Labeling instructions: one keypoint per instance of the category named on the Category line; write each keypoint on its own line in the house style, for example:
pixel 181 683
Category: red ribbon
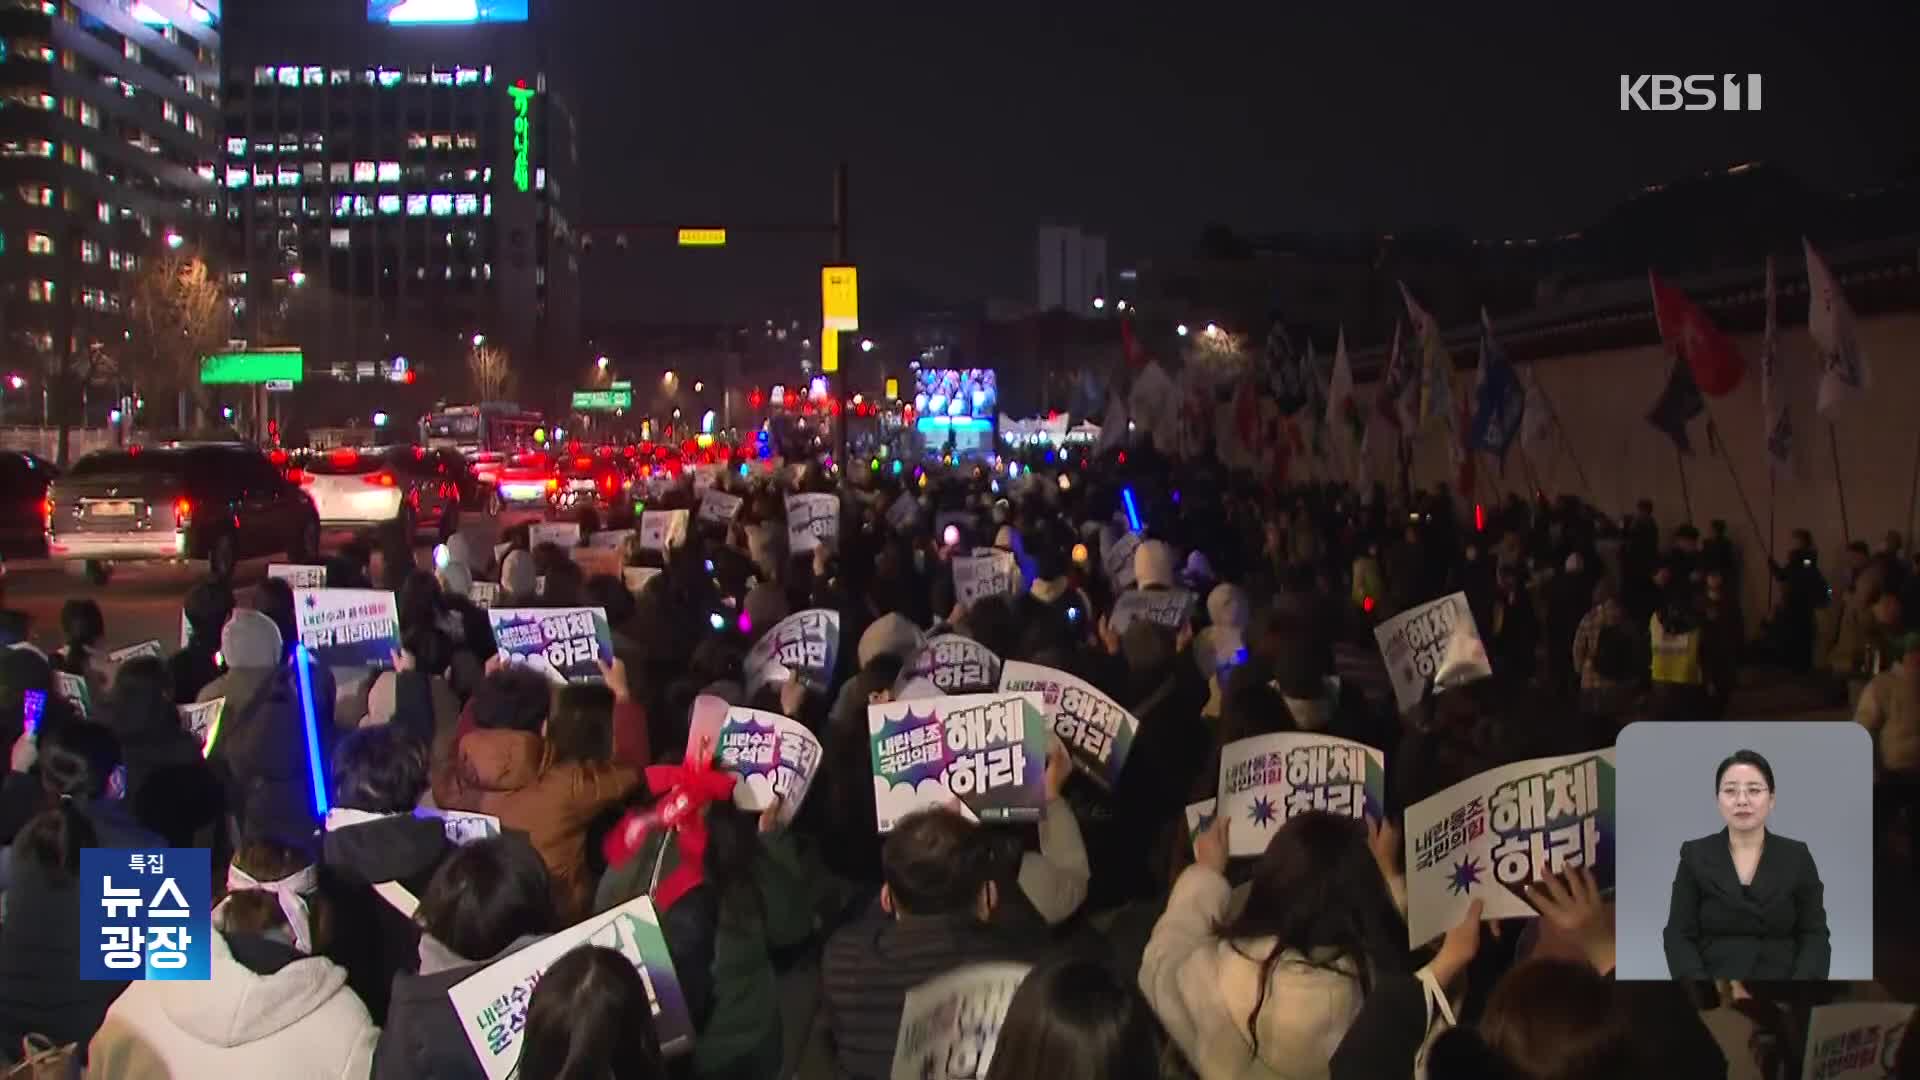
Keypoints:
pixel 689 787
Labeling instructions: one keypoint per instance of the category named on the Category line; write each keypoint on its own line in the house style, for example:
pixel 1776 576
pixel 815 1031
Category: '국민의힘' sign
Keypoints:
pixel 982 754
pixel 1266 779
pixel 565 644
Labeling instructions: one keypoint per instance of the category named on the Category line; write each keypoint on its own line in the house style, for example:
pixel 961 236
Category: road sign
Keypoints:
pixel 829 350
pixel 840 297
pixel 602 400
pixel 279 386
pixel 703 238
pixel 252 368
pixel 893 389
pixel 621 384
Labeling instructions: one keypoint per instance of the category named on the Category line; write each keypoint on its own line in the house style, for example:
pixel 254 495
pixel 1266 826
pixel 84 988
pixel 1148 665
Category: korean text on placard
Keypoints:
pixel 1546 822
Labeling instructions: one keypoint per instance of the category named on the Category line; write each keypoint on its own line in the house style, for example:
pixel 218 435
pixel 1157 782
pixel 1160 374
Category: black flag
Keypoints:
pixel 1679 403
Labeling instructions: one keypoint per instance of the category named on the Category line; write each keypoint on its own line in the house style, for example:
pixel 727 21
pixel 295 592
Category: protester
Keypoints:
pixel 1889 709
pixel 1606 652
pixel 83 626
pixel 590 1016
pixel 41 991
pixel 1071 1019
pixel 197 663
pixel 170 786
pixel 261 754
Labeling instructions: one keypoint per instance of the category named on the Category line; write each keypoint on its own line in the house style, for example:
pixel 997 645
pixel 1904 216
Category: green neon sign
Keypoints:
pixel 252 368
pixel 522 132
pixel 602 400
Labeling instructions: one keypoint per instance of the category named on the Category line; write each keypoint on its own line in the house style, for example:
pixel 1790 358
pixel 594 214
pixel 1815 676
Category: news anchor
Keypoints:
pixel 1747 903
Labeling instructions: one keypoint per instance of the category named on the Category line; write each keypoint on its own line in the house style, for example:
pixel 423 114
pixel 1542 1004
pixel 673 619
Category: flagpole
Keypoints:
pixel 1573 453
pixel 1913 493
pixel 1839 482
pixel 1718 445
pixel 1686 494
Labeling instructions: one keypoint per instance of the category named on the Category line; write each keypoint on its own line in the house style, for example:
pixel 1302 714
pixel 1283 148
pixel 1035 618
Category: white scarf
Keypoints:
pixel 291 891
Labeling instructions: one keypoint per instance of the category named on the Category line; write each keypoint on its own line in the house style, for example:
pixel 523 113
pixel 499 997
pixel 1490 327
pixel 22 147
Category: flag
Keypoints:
pixel 1836 340
pixel 1287 375
pixel 1536 427
pixel 1342 409
pixel 1715 362
pixel 1113 423
pixel 1436 367
pixel 1129 346
pixel 1679 403
pixel 1398 389
pixel 1776 407
pixel 1501 402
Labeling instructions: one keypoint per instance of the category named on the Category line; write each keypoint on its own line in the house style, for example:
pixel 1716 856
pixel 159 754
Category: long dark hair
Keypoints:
pixel 1073 1020
pixel 53 839
pixel 1317 891
pixel 1557 1018
pixel 590 1017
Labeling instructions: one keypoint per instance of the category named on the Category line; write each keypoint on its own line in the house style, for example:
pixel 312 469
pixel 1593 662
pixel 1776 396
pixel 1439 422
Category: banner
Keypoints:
pixel 719 508
pixel 1267 779
pixel 1098 733
pixel 1504 829
pixel 985 755
pixel 564 533
pixel 1856 1040
pixel 986 572
pixel 483 594
pixel 202 721
pixel 564 644
pixel 663 530
pixel 811 519
pixel 349 628
pixel 948 664
pixel 949 1025
pixel 1170 608
pixel 610 539
pixel 492 1002
pixel 775 757
pixel 299 575
pixel 1118 561
pixel 1433 645
pixel 803 645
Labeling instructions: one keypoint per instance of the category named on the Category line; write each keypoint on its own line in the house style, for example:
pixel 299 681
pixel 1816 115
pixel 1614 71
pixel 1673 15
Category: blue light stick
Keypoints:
pixel 300 664
pixel 1133 512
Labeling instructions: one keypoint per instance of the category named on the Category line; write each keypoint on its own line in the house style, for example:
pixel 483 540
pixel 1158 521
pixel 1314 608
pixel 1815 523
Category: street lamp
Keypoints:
pixel 174 240
pixel 1181 329
pixel 602 363
pixel 866 344
pixel 699 386
pixel 479 340
pixel 298 277
pixel 1213 330
pixel 1099 302
pixel 668 377
pixel 380 419
pixel 16 382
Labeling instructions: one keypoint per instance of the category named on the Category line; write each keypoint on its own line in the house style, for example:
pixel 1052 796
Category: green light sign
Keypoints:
pixel 602 400
pixel 522 132
pixel 252 368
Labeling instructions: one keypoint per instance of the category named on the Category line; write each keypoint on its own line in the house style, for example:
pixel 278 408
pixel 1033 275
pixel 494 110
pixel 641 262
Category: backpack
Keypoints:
pixel 1613 652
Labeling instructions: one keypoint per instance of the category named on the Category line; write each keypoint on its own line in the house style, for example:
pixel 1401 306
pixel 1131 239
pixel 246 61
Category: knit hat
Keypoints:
pixel 460 552
pixel 516 574
pixel 891 634
pixel 1153 564
pixel 766 604
pixel 456 579
pixel 1199 572
pixel 250 640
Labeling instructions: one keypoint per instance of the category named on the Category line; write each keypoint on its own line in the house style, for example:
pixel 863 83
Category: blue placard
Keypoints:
pixel 145 913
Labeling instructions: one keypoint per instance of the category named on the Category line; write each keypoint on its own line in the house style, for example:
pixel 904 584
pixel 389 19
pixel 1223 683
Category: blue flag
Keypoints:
pixel 1500 400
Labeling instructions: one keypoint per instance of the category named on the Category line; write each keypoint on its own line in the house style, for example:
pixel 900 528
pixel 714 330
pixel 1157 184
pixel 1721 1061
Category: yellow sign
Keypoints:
pixel 829 350
pixel 893 389
pixel 703 238
pixel 840 297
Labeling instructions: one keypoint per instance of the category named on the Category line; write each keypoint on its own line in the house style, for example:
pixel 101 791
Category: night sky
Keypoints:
pixel 968 125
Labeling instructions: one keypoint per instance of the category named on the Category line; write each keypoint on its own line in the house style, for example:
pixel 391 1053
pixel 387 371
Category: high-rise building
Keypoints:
pixel 108 116
pixel 1072 269
pixel 398 178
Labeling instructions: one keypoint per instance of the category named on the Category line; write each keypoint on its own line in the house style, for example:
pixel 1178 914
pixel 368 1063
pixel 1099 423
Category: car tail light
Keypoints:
pixel 379 479
pixel 608 482
pixel 46 514
pixel 344 458
pixel 583 463
pixel 299 476
pixel 182 513
pixel 553 484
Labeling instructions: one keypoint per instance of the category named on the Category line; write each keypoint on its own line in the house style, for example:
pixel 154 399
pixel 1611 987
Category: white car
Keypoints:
pixel 403 485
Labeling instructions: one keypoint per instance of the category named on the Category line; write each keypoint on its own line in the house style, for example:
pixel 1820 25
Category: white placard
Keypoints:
pixel 1267 779
pixel 986 572
pixel 151 648
pixel 1170 608
pixel 811 519
pixel 1435 645
pixel 635 578
pixel 949 1025
pixel 564 533
pixel 609 539
pixel 202 721
pixel 1117 560
pixel 299 575
pixel 719 508
pixel 1856 1040
pixel 484 594
pixel 663 530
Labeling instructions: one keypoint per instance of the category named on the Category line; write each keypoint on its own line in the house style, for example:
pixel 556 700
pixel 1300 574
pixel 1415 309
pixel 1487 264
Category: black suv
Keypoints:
pixel 221 502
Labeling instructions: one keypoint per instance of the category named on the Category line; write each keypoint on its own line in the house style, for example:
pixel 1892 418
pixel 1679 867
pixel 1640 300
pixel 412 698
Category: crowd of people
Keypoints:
pixel 1154 954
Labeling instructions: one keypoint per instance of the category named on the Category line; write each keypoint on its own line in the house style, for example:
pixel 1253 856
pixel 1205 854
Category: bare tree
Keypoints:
pixel 180 313
pixel 490 370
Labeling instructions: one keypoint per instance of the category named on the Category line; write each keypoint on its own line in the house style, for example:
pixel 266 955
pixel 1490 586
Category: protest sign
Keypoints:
pixel 564 533
pixel 902 513
pixel 610 539
pixel 704 477
pixel 483 594
pixel 1098 733
pixel 948 664
pixel 812 519
pixel 1504 829
pixel 492 1002
pixel 986 572
pixel 146 648
pixel 1433 646
pixel 803 645
pixel 186 630
pixel 949 1025
pixel 635 578
pixel 348 628
pixel 461 826
pixel 661 530
pixel 1267 779
pixel 202 721
pixel 985 754
pixel 776 758
pixel 1856 1040
pixel 719 508
pixel 595 562
pixel 1117 559
pixel 565 644
pixel 1200 816
pixel 1170 608
pixel 299 575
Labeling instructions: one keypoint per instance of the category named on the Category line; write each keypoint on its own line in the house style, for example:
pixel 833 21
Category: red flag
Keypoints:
pixel 1716 363
pixel 1129 347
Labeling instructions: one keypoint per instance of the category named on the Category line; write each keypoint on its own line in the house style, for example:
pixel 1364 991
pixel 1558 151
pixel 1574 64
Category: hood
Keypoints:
pixel 238 1006
pixel 891 634
pixel 1153 564
pixel 500 760
pixel 383 847
pixel 516 574
pixel 460 552
pixel 250 641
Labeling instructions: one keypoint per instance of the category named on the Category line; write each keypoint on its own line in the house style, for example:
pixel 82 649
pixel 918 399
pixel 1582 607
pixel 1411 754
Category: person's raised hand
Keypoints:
pixel 26 751
pixel 403 660
pixel 1459 945
pixel 1383 840
pixel 1059 768
pixel 615 675
pixel 495 663
pixel 1210 847
pixel 1570 906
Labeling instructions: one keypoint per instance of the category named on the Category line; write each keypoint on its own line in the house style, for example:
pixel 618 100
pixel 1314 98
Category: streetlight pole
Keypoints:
pixel 841 255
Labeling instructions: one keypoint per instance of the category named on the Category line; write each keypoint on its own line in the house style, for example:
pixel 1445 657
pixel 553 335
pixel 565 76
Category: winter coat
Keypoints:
pixel 277 1014
pixel 1890 709
pixel 169 784
pixel 374 940
pixel 260 756
pixel 423 1038
pixel 40 986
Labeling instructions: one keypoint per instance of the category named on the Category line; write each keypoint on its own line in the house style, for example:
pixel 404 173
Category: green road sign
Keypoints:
pixel 252 368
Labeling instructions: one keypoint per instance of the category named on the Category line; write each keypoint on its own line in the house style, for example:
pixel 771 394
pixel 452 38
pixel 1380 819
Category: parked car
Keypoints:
pixel 407 486
pixel 23 511
pixel 221 502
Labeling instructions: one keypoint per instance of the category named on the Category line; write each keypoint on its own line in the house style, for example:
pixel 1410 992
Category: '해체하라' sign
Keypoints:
pixel 1267 779
pixel 1097 732
pixel 949 1025
pixel 565 644
pixel 1434 646
pixel 811 520
pixel 803 645
pixel 985 755
pixel 1502 830
pixel 948 664
pixel 663 529
pixel 719 508
pixel 348 628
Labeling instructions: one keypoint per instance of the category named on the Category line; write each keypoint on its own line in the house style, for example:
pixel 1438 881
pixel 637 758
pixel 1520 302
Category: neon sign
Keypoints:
pixel 522 132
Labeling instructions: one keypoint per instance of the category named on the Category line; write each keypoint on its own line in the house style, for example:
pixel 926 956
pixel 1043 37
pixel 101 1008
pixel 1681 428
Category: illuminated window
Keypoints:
pixel 416 206
pixel 289 76
pixel 39 243
pixel 442 204
pixel 389 172
pixel 390 78
pixel 486 271
pixel 105 213
pixel 466 77
pixel 90 116
pixel 169 111
pixel 442 141
pixel 310 172
pixel 339 238
pixel 90 252
pixel 364 172
pixel 362 206
pixel 237 146
pixel 486 205
pixel 315 77
pixel 36 194
pixel 87 162
pixel 416 140
pixel 40 291
pixel 487 174
pixel 32 97
pixel 467 140
pixel 389 204
pixel 442 78
pixel 416 78
pixel 205 172
pixel 337 172
pixel 342 205
pixel 540 179
pixel 339 77
pixel 466 204
pixel 470 175
pixel 489 75
pixel 262 176
pixel 237 278
pixel 130 49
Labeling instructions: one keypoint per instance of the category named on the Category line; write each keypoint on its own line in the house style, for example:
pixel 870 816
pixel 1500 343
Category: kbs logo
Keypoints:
pixel 1692 93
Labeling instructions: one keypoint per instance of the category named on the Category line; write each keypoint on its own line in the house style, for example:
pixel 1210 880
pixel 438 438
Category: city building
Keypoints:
pixel 109 117
pixel 397 192
pixel 1071 268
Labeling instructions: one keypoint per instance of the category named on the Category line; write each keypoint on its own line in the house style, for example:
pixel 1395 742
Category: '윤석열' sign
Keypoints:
pixel 1502 830
pixel 812 519
pixel 565 644
pixel 1267 779
pixel 983 754
pixel 348 628
pixel 949 1025
pixel 1098 733
pixel 775 757
pixel 986 572
pixel 1170 608
pixel 146 913
pixel 948 664
pixel 1434 646
pixel 803 645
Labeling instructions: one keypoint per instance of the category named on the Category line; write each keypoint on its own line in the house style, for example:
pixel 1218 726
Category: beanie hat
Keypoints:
pixel 516 574
pixel 460 551
pixel 1227 606
pixel 1153 564
pixel 456 579
pixel 766 605
pixel 891 634
pixel 250 640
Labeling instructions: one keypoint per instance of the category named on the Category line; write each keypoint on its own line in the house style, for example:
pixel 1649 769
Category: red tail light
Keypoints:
pixel 553 484
pixel 1366 604
pixel 344 458
pixel 299 476
pixel 583 463
pixel 182 513
pixel 608 482
pixel 46 514
pixel 379 479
